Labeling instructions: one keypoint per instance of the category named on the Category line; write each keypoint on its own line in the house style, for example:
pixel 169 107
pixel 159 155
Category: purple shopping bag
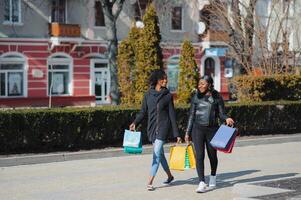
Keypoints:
pixel 223 138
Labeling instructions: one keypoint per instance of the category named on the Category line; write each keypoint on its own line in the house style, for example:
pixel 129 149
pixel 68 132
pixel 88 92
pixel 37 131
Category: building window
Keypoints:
pixel 140 7
pixel 209 67
pixel 99 15
pixel 59 76
pixel 12 72
pixel 176 18
pixel 12 11
pixel 58 11
pixel 173 73
pixel 288 7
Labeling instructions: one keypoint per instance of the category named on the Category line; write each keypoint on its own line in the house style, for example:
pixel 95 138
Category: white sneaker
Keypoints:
pixel 212 181
pixel 202 187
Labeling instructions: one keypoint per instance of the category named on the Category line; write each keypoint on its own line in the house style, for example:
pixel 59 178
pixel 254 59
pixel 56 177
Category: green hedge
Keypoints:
pixel 23 131
pixel 268 88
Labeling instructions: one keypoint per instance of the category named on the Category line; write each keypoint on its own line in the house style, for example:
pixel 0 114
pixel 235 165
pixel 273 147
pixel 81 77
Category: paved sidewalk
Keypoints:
pixel 258 168
pixel 13 160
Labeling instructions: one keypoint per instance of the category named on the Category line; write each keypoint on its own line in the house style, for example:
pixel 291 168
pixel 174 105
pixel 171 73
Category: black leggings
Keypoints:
pixel 200 136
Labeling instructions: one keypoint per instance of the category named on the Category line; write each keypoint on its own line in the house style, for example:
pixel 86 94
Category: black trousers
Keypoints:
pixel 201 137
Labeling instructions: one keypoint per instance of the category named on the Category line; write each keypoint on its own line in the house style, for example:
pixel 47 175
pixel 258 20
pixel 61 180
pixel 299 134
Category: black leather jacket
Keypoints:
pixel 205 110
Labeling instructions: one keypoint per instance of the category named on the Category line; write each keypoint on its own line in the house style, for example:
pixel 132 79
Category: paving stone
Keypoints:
pixel 293 184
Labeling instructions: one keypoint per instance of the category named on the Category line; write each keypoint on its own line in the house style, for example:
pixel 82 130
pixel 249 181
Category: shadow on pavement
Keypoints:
pixel 223 176
pixel 224 179
pixel 224 183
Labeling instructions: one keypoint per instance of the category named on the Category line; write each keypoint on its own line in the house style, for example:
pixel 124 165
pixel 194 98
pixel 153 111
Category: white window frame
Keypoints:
pixel 10 21
pixel 217 71
pixel 15 58
pixel 98 27
pixel 66 14
pixel 67 60
pixel 93 61
pixel 182 20
pixel 291 4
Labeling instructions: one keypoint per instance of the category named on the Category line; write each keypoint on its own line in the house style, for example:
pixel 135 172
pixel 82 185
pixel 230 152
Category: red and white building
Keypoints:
pixel 54 52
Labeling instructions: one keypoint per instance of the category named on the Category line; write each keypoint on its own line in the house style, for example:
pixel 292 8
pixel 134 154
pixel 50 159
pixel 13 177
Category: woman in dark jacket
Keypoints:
pixel 207 106
pixel 158 106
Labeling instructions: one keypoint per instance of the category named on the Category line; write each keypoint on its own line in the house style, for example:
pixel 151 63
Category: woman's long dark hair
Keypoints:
pixel 211 89
pixel 209 80
pixel 155 76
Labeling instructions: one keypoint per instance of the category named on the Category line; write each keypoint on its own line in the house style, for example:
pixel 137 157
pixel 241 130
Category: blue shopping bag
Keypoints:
pixel 223 138
pixel 132 142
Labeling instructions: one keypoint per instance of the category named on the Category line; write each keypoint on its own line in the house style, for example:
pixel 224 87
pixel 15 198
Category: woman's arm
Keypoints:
pixel 222 112
pixel 191 117
pixel 140 115
pixel 172 117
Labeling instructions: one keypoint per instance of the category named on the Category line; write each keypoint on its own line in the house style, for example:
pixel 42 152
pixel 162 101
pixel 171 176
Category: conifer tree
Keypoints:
pixel 127 66
pixel 148 52
pixel 188 74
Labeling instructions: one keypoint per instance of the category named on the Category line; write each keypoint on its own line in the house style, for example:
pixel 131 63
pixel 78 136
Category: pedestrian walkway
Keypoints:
pixel 254 170
pixel 13 160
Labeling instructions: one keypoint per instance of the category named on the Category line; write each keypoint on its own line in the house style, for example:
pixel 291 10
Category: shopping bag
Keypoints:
pixel 131 138
pixel 189 158
pixel 229 149
pixel 223 138
pixel 181 157
pixel 133 150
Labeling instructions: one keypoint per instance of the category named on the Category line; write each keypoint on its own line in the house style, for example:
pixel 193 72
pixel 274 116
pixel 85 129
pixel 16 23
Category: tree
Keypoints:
pixel 125 63
pixel 188 73
pixel 259 38
pixel 148 52
pixel 139 55
pixel 111 10
pixel 127 66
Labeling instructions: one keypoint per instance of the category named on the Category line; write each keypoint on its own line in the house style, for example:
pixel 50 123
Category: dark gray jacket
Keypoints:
pixel 205 110
pixel 159 108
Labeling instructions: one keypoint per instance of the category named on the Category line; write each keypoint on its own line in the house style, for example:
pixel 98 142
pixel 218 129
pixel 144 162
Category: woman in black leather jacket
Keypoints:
pixel 206 111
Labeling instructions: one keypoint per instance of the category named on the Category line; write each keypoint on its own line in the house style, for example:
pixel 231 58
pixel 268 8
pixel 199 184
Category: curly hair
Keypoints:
pixel 156 75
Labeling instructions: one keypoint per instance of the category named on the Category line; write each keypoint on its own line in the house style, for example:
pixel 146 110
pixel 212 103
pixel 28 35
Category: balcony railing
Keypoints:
pixel 64 30
pixel 214 36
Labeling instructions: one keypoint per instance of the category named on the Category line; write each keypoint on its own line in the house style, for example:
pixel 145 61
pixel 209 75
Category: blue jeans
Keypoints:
pixel 158 157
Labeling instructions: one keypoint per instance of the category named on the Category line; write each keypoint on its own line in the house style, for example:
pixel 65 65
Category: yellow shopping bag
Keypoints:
pixel 181 157
pixel 191 157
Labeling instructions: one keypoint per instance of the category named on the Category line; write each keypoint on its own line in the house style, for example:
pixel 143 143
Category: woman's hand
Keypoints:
pixel 187 138
pixel 229 121
pixel 179 140
pixel 132 127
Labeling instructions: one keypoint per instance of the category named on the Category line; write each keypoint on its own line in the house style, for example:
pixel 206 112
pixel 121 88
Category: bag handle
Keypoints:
pixel 182 144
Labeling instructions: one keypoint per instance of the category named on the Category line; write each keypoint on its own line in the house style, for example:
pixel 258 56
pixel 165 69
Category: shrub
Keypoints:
pixel 23 131
pixel 268 88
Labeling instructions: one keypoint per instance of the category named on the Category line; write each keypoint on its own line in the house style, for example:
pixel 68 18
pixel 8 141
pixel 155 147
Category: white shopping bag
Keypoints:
pixel 131 138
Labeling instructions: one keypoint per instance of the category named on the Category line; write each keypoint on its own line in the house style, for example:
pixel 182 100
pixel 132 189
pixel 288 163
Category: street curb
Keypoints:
pixel 117 152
